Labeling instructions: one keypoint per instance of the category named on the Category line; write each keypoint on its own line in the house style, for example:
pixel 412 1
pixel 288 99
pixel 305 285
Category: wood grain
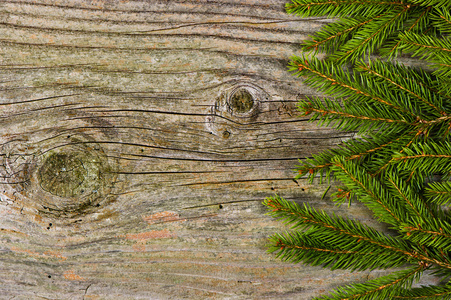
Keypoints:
pixel 145 86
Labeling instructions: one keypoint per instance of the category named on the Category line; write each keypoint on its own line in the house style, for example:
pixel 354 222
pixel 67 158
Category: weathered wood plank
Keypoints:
pixel 128 170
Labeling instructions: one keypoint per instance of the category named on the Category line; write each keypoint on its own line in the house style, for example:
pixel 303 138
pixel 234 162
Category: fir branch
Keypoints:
pixel 418 210
pixel 332 8
pixel 370 191
pixel 334 35
pixel 334 81
pixel 426 293
pixel 384 287
pixel 371 36
pixel 435 3
pixel 345 234
pixel 305 247
pixel 398 77
pixel 358 149
pixel 360 118
pixel 436 235
pixel 425 158
pixel 439 192
pixel 434 49
pixel 350 233
pixel 419 23
pixel 442 20
pixel 424 46
pixel 410 110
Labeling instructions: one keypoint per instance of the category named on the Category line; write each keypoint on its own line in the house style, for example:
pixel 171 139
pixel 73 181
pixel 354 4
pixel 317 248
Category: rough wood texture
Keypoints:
pixel 138 139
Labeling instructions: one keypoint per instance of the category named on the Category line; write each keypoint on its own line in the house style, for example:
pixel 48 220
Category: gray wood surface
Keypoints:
pixel 138 139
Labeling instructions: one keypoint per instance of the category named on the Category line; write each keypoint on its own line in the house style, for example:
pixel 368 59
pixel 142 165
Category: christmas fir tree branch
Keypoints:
pixel 336 82
pixel 371 36
pixel 419 18
pixel 349 231
pixel 398 77
pixel 346 234
pixel 296 246
pixel 405 193
pixel 384 287
pixel 441 19
pixel 438 237
pixel 425 158
pixel 410 111
pixel 332 8
pixel 426 293
pixel 439 192
pixel 435 3
pixel 371 192
pixel 332 36
pixel 371 145
pixel 434 49
pixel 360 118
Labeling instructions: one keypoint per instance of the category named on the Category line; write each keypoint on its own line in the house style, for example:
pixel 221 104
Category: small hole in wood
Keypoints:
pixel 226 134
pixel 220 206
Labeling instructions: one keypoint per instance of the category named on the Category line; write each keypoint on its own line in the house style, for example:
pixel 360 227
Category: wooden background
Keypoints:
pixel 145 90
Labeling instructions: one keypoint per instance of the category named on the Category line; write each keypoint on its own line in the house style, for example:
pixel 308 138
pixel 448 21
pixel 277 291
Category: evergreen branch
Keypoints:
pixel 401 147
pixel 419 23
pixel 361 118
pixel 410 197
pixel 436 50
pixel 335 82
pixel 435 237
pixel 333 35
pixel 442 20
pixel 394 76
pixel 371 36
pixel 335 229
pixel 370 192
pixel 332 8
pixel 424 46
pixel 426 158
pixel 439 192
pixel 427 293
pixel 383 287
pixel 411 110
pixel 435 3
pixel 357 149
pixel 305 247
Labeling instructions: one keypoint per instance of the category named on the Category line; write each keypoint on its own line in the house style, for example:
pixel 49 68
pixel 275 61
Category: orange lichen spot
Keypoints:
pixel 25 251
pixel 154 234
pixel 70 275
pixel 12 231
pixel 56 254
pixel 46 254
pixel 140 246
pixel 162 217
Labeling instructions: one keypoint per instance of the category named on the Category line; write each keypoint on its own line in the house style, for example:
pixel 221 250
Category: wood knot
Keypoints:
pixel 74 177
pixel 61 177
pixel 241 101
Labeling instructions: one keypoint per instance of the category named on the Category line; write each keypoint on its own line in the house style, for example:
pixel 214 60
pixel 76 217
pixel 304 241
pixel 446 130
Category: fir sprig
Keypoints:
pixel 402 117
pixel 366 27
pixel 379 97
